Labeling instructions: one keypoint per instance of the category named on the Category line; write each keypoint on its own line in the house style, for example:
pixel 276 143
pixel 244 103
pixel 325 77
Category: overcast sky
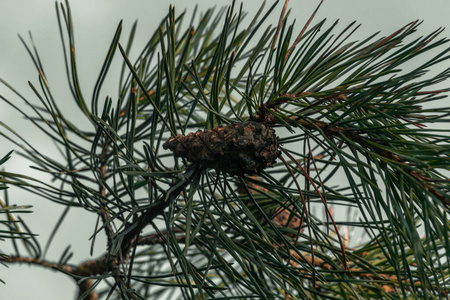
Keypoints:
pixel 95 23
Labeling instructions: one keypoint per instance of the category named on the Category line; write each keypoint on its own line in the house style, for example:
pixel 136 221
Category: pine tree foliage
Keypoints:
pixel 222 217
pixel 10 220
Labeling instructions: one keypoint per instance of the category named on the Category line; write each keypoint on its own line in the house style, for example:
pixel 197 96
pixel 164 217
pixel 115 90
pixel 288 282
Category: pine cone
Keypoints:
pixel 236 149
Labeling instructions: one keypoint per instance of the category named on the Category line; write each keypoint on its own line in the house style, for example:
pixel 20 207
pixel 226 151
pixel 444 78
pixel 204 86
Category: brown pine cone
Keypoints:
pixel 236 149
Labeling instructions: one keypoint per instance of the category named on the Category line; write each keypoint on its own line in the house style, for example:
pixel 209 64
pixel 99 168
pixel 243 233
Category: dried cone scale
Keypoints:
pixel 236 149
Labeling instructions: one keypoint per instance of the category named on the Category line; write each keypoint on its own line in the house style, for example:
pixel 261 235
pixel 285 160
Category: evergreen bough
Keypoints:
pixel 251 215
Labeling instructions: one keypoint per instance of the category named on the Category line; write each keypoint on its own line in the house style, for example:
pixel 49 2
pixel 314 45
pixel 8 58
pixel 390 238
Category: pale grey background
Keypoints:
pixel 95 22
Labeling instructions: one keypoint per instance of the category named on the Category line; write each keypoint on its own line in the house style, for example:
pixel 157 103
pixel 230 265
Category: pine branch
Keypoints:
pixel 90 268
pixel 292 130
pixel 356 136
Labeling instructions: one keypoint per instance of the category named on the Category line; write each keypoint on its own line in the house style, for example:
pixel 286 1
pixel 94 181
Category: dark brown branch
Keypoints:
pixel 88 268
pixel 39 262
pixel 103 158
pixel 156 210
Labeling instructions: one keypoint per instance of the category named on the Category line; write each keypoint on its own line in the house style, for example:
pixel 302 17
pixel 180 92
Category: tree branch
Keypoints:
pixel 355 136
pixel 88 268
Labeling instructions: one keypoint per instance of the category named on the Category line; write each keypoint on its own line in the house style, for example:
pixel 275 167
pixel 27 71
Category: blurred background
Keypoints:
pixel 95 23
